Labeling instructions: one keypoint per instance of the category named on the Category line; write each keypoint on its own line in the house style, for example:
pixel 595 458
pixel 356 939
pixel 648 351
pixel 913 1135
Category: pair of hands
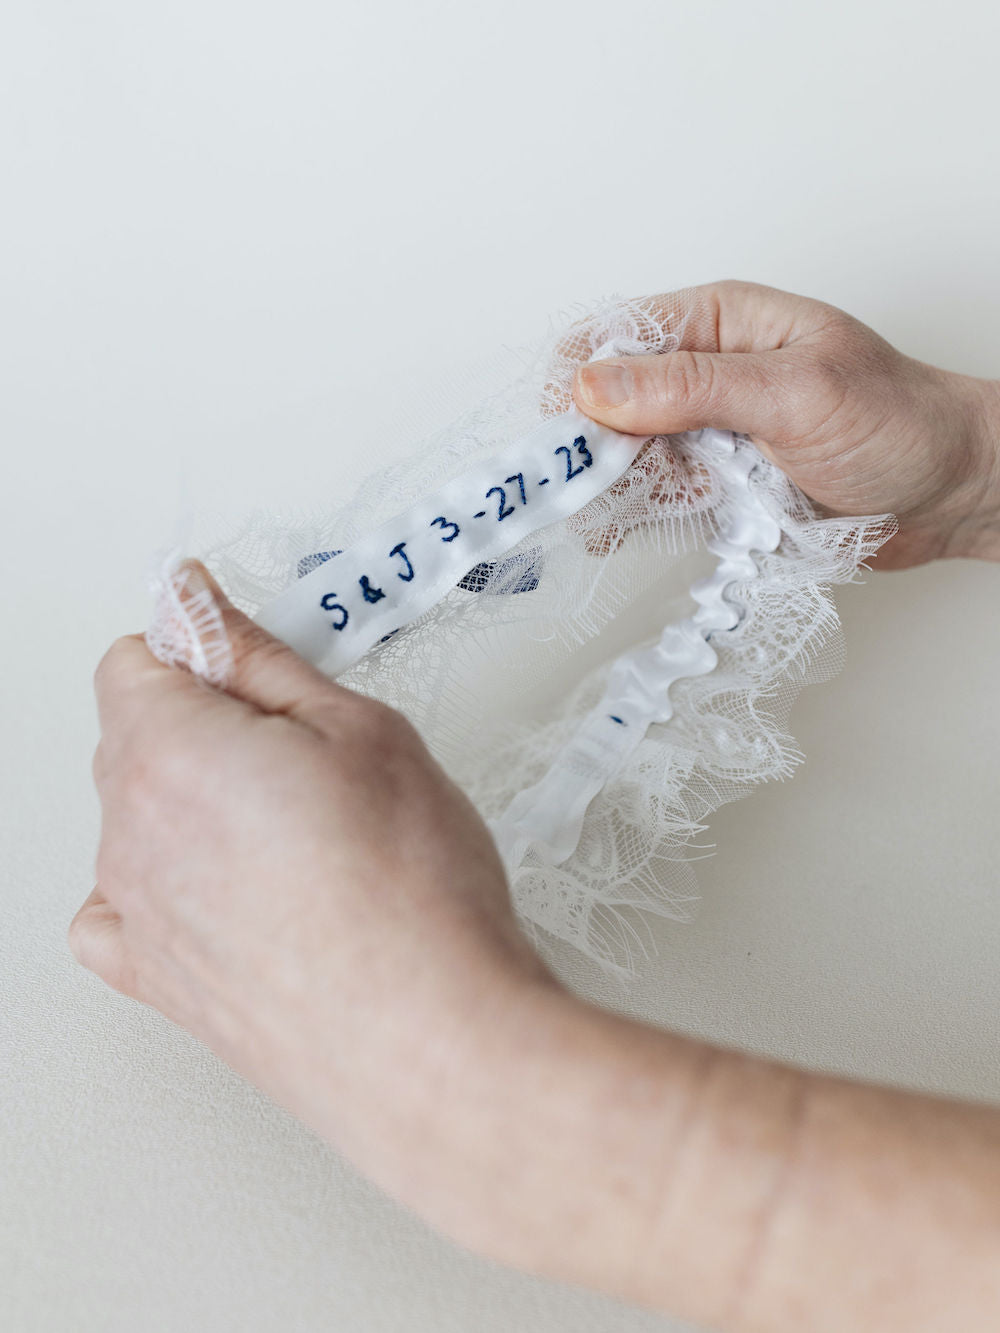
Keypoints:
pixel 285 872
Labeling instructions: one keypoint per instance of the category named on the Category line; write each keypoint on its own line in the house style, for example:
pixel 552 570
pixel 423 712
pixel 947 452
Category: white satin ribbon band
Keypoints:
pixel 338 611
pixel 334 614
pixel 548 817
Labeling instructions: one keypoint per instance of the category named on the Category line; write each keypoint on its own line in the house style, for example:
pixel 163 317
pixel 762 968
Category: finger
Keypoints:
pixel 265 673
pixel 670 318
pixel 723 316
pixel 661 395
pixel 732 316
pixel 124 680
pixel 96 941
pixel 736 366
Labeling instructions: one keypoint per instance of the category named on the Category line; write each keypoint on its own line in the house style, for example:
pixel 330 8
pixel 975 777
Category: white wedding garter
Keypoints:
pixel 471 578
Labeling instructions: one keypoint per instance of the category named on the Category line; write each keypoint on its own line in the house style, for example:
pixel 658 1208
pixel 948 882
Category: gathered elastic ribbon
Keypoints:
pixel 547 818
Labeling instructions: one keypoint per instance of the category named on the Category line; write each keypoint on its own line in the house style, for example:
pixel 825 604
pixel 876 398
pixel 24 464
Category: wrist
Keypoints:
pixel 975 533
pixel 591 1149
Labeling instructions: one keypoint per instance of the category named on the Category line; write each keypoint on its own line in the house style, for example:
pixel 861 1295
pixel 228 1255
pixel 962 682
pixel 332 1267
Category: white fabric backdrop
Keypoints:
pixel 235 236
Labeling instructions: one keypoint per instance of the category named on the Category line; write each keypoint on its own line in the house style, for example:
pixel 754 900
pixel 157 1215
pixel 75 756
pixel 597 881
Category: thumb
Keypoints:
pixel 675 391
pixel 259 669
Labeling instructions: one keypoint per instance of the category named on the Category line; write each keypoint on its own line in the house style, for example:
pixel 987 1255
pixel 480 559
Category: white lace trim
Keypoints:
pixel 608 834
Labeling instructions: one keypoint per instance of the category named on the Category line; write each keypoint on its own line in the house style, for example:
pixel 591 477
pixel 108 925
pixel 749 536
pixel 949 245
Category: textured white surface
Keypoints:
pixel 218 220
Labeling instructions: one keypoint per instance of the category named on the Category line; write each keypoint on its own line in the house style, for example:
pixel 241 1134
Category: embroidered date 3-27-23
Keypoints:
pixel 577 458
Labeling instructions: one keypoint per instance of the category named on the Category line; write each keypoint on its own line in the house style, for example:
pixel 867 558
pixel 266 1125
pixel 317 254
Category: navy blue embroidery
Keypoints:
pixel 369 593
pixel 505 510
pixel 443 523
pixel 581 448
pixel 328 603
pixel 580 444
pixel 516 574
pixel 519 478
pixel 398 550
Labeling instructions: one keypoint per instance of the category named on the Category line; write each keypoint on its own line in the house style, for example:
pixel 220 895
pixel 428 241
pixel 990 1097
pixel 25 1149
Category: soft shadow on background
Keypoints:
pixel 245 251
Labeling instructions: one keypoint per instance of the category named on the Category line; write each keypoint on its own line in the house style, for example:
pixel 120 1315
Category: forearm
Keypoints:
pixel 718 1187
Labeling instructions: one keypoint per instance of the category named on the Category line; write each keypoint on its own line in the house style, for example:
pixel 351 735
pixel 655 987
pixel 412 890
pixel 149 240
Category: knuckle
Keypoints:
pixel 78 937
pixel 111 669
pixel 759 380
pixel 347 715
pixel 730 286
pixel 108 663
pixel 687 380
pixel 257 652
pixel 384 733
pixel 836 325
pixel 259 643
pixel 382 722
pixel 731 291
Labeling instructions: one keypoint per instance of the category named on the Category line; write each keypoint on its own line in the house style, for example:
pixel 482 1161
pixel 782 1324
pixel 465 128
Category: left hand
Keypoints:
pixel 286 872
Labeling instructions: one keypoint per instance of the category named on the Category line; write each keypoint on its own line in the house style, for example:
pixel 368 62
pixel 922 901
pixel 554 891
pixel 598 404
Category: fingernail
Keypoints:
pixel 605 383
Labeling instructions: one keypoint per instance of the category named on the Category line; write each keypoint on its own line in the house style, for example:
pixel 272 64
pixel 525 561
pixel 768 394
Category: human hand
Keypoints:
pixel 859 427
pixel 285 872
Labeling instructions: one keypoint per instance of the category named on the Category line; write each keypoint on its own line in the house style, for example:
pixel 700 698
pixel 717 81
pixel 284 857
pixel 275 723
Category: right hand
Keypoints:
pixel 858 426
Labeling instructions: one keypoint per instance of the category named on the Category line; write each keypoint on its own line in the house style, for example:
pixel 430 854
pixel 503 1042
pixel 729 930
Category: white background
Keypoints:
pixel 238 244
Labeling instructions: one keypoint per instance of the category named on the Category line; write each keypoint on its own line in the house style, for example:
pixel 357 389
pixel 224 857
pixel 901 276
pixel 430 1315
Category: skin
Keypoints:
pixel 285 872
